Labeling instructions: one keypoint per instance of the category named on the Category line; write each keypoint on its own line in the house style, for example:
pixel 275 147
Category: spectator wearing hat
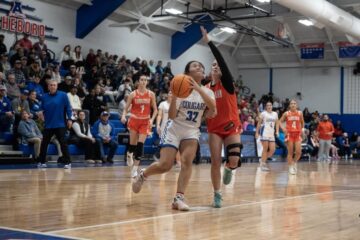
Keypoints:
pixel 19 75
pixel 36 86
pixel 40 46
pixel 13 90
pixel 30 133
pixel 82 137
pixel 65 86
pixel 35 69
pixel 74 101
pixel 17 56
pixel 104 133
pixel 6 111
pixel 56 107
pixel 21 103
pixel 24 67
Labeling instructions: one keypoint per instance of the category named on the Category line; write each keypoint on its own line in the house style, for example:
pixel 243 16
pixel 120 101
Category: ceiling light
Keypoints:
pixel 228 30
pixel 173 11
pixel 306 22
pixel 263 1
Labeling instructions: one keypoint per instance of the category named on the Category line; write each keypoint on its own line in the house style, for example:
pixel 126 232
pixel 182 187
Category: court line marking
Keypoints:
pixel 194 212
pixel 42 233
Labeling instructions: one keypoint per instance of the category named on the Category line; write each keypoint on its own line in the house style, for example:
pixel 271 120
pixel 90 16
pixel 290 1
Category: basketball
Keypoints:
pixel 180 86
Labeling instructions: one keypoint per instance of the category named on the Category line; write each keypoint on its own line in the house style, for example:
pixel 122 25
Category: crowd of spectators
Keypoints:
pixel 95 80
pixel 342 145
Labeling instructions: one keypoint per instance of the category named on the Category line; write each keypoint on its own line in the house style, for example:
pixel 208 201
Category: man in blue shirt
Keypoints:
pixel 104 133
pixel 6 111
pixel 55 104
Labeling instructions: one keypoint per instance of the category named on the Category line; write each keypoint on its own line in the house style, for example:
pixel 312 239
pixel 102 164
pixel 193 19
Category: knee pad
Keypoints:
pixel 139 150
pixel 234 154
pixel 132 148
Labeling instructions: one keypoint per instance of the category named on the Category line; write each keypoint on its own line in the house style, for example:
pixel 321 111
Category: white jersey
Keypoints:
pixel 164 106
pixel 187 121
pixel 191 109
pixel 268 124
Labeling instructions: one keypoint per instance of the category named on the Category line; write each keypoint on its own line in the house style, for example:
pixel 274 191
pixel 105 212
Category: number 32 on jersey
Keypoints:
pixel 192 116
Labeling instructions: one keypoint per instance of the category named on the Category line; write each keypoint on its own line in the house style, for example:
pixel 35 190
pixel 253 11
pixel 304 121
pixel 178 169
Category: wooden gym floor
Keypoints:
pixel 321 202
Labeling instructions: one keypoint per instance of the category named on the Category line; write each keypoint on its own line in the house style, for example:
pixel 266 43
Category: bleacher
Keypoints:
pixel 27 150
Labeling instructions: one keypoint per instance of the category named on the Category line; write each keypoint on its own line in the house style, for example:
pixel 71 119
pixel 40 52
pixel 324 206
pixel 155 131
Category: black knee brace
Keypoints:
pixel 139 151
pixel 234 154
pixel 132 148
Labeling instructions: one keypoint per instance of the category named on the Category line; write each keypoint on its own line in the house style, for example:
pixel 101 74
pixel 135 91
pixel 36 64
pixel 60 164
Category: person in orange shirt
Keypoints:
pixel 325 130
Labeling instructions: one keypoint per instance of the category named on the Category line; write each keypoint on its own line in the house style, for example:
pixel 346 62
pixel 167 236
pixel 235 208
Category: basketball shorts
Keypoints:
pixel 141 126
pixel 267 138
pixel 267 135
pixel 293 137
pixel 230 129
pixel 173 134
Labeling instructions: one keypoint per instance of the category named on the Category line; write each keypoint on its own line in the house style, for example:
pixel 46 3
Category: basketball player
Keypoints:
pixel 224 127
pixel 161 120
pixel 182 133
pixel 268 121
pixel 141 101
pixel 294 124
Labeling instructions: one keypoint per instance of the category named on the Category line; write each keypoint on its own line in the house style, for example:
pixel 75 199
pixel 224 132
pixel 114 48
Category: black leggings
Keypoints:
pixel 60 135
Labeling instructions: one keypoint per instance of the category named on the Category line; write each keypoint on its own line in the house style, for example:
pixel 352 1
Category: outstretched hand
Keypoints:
pixel 204 34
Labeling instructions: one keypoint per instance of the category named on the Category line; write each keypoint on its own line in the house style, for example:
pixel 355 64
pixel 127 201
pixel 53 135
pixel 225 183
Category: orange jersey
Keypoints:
pixel 227 110
pixel 293 122
pixel 141 105
pixel 324 128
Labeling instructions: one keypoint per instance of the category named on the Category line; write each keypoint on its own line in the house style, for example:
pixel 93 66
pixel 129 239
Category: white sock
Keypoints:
pixel 135 168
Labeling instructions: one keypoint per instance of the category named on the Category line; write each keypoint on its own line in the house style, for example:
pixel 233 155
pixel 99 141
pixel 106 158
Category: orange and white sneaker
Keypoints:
pixel 179 203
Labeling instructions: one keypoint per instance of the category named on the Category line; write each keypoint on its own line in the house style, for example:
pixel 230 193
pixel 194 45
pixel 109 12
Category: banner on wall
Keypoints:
pixel 349 50
pixel 17 21
pixel 312 50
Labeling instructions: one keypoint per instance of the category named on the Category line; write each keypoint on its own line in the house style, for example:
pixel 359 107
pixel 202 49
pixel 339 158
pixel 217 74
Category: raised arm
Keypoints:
pixel 227 79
